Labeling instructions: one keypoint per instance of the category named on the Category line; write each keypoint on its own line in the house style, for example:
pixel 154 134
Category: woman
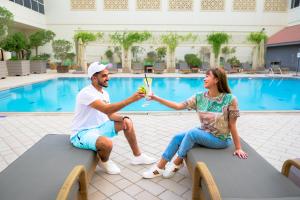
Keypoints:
pixel 218 111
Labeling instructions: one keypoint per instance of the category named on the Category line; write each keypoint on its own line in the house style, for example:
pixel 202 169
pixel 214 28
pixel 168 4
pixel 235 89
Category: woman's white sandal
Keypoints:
pixel 153 172
pixel 171 169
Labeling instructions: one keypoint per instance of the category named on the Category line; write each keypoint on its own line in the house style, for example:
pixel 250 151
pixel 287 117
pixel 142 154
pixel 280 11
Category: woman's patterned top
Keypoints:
pixel 214 112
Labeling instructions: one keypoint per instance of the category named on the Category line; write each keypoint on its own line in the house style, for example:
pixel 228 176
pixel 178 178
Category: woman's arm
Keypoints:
pixel 170 104
pixel 235 136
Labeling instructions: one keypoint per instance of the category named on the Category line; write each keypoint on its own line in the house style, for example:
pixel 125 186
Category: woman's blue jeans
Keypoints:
pixel 183 142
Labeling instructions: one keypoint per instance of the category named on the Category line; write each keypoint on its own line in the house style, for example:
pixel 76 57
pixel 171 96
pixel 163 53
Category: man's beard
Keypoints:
pixel 101 84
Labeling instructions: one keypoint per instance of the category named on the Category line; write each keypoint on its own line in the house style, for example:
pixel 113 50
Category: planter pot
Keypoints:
pixel 18 67
pixel 62 69
pixel 3 69
pixel 38 66
pixel 195 69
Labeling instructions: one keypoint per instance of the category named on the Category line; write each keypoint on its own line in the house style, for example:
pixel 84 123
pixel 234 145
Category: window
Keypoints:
pixel 295 3
pixel 27 3
pixel 36 5
pixel 41 8
pixel 19 2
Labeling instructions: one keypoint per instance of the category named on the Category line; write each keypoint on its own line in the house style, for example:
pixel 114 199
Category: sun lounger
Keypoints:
pixel 220 175
pixel 113 68
pixel 42 170
pixel 137 68
pixel 184 68
pixel 159 68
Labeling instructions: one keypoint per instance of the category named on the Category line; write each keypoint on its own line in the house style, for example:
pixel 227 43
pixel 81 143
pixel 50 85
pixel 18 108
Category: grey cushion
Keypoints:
pixel 40 171
pixel 238 178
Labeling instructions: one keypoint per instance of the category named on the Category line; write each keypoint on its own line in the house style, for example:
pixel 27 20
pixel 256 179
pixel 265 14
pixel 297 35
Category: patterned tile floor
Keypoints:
pixel 276 136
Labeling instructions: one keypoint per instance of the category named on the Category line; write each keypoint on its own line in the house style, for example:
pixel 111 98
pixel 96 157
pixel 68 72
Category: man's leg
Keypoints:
pixel 129 133
pixel 104 146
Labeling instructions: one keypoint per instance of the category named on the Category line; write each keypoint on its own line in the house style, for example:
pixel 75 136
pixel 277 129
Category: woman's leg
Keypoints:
pixel 201 137
pixel 168 154
pixel 171 150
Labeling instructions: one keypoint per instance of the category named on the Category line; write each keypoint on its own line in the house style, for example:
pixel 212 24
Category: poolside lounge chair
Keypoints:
pixel 184 68
pixel 41 171
pixel 205 66
pixel 159 68
pixel 113 68
pixel 137 68
pixel 220 175
pixel 229 69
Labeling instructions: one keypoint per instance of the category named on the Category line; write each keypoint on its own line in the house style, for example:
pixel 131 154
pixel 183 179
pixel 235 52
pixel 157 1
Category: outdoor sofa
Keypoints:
pixel 48 170
pixel 217 174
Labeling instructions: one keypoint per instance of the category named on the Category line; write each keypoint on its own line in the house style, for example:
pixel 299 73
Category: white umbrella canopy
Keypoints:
pixel 261 54
pixel 255 57
pixel 81 55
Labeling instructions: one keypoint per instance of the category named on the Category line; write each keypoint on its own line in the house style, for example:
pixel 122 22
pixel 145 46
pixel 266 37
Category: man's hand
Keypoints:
pixel 137 96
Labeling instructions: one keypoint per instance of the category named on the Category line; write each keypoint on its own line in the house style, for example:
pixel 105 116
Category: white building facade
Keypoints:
pixel 236 17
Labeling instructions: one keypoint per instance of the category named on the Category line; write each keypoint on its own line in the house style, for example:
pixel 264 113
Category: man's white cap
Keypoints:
pixel 96 67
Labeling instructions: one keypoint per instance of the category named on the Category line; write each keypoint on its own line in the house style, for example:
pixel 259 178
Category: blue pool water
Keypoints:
pixel 58 95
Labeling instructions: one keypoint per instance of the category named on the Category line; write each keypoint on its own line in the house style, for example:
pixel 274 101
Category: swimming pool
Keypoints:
pixel 58 95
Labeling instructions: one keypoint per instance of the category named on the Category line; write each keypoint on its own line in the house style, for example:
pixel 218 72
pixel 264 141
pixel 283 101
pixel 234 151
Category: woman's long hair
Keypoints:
pixel 220 74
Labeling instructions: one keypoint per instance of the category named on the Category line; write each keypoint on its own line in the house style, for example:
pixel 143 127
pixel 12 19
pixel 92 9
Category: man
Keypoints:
pixel 96 121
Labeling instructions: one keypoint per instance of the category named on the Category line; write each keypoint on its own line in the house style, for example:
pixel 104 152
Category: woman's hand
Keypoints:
pixel 151 96
pixel 240 153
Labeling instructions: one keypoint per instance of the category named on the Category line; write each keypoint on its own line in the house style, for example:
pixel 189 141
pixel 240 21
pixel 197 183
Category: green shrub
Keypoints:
pixel 16 43
pixel 234 62
pixel 44 56
pixel 192 60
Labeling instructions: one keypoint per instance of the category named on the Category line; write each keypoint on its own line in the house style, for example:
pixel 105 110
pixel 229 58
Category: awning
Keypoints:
pixel 288 36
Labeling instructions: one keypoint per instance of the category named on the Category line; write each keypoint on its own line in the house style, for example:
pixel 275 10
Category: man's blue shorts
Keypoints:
pixel 86 139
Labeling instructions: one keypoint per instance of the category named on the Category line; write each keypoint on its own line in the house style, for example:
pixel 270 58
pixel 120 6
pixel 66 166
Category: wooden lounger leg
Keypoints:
pixel 80 172
pixel 285 170
pixel 202 173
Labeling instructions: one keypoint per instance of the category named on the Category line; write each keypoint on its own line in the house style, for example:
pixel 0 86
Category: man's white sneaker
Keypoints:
pixel 142 159
pixel 153 172
pixel 171 169
pixel 109 167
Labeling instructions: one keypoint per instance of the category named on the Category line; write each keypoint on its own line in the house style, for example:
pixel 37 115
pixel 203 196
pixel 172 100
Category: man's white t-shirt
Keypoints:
pixel 85 116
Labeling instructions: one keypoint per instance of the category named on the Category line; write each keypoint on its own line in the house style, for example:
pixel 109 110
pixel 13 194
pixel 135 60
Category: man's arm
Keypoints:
pixel 115 117
pixel 114 107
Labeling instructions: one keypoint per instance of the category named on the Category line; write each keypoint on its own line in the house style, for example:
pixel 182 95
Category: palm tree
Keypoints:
pixel 126 40
pixel 216 40
pixel 258 39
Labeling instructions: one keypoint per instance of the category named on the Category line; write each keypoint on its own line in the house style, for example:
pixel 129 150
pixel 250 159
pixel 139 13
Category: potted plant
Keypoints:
pixel 61 49
pixel 6 19
pixel 193 62
pixel 234 62
pixel 18 45
pixel 38 62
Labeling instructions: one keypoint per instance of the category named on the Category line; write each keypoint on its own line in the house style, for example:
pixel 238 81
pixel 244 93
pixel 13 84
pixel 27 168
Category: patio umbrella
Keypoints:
pixel 261 54
pixel 80 56
pixel 255 57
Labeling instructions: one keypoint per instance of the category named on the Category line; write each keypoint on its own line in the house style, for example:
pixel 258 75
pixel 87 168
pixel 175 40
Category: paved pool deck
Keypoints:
pixel 274 135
